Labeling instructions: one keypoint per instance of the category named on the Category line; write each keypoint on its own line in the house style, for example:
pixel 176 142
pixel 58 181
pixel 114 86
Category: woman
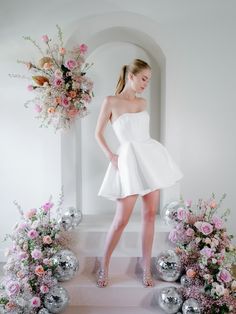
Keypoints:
pixel 141 167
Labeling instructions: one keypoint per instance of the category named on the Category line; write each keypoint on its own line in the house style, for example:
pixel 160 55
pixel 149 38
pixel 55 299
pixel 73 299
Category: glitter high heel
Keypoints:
pixel 102 278
pixel 147 279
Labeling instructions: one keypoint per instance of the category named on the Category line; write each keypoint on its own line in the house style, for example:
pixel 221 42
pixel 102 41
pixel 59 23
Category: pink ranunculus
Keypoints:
pixel 218 222
pixel 206 228
pixel 35 302
pixel 44 289
pixel 12 288
pixel 83 48
pixel 181 213
pixel 65 102
pixel 57 82
pixel 206 251
pixel 32 234
pixel 213 204
pixel 47 206
pixel 30 87
pixel 71 64
pixel 30 213
pixel 36 254
pixel 190 232
pixel 224 276
pixel 45 38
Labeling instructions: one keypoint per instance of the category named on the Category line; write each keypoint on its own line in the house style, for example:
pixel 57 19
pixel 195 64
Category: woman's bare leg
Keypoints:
pixel 150 204
pixel 124 209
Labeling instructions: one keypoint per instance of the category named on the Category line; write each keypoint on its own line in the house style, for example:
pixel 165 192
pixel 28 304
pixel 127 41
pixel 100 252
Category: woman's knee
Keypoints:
pixel 120 224
pixel 150 214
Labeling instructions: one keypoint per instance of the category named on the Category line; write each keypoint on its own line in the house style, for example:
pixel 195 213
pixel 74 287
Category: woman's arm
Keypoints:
pixel 102 121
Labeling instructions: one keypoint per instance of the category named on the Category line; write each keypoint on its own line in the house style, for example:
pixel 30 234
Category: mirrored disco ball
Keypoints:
pixel 168 265
pixel 170 299
pixel 75 215
pixel 43 311
pixel 169 212
pixel 191 306
pixel 57 299
pixel 185 281
pixel 66 223
pixel 67 265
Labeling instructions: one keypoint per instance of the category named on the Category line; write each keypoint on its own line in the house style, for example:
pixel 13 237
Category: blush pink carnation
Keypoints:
pixel 218 222
pixel 224 276
pixel 32 234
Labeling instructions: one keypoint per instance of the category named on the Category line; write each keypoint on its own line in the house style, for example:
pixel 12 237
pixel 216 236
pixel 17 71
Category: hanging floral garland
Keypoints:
pixel 63 91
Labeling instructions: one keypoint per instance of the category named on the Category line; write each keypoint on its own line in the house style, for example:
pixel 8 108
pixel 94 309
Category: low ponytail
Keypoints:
pixel 121 82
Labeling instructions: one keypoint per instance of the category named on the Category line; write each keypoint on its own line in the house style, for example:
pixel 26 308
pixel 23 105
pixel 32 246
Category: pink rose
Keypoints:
pixel 206 228
pixel 44 289
pixel 32 234
pixel 45 38
pixel 206 251
pixel 35 302
pixel 71 64
pixel 213 204
pixel 190 232
pixel 224 276
pixel 181 213
pixel 173 236
pixel 191 273
pixel 36 254
pixel 218 222
pixel 83 48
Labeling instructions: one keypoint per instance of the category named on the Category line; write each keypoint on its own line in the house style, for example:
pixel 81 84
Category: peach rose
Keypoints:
pixel 39 271
pixel 47 239
pixel 72 94
pixel 51 110
pixel 190 273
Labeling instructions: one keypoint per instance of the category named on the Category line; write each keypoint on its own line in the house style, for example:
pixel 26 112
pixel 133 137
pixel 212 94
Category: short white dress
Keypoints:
pixel 144 164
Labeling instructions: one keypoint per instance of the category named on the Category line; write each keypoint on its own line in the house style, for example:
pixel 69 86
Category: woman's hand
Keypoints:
pixel 114 160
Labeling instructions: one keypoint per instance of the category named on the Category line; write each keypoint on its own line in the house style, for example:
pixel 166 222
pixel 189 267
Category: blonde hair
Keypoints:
pixel 136 66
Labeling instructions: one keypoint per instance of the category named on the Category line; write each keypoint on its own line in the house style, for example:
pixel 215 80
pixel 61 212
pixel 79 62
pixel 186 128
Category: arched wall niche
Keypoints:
pixel 96 33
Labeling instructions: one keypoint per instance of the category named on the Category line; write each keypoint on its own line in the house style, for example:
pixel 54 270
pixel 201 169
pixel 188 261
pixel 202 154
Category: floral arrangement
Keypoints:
pixel 29 270
pixel 207 254
pixel 63 91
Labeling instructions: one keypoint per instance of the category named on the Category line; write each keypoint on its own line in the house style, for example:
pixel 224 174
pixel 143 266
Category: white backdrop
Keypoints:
pixel 198 40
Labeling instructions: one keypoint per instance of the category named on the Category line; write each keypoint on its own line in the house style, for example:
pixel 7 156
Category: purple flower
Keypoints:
pixel 206 251
pixel 32 234
pixel 23 255
pixel 47 206
pixel 36 254
pixel 204 227
pixel 12 287
pixel 173 236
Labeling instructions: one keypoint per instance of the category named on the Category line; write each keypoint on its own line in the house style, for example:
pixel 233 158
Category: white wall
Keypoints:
pixel 198 40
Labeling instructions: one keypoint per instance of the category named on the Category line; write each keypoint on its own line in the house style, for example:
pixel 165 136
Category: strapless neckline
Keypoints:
pixel 127 113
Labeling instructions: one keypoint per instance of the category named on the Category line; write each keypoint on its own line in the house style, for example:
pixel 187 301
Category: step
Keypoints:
pixel 89 237
pixel 124 289
pixel 111 310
